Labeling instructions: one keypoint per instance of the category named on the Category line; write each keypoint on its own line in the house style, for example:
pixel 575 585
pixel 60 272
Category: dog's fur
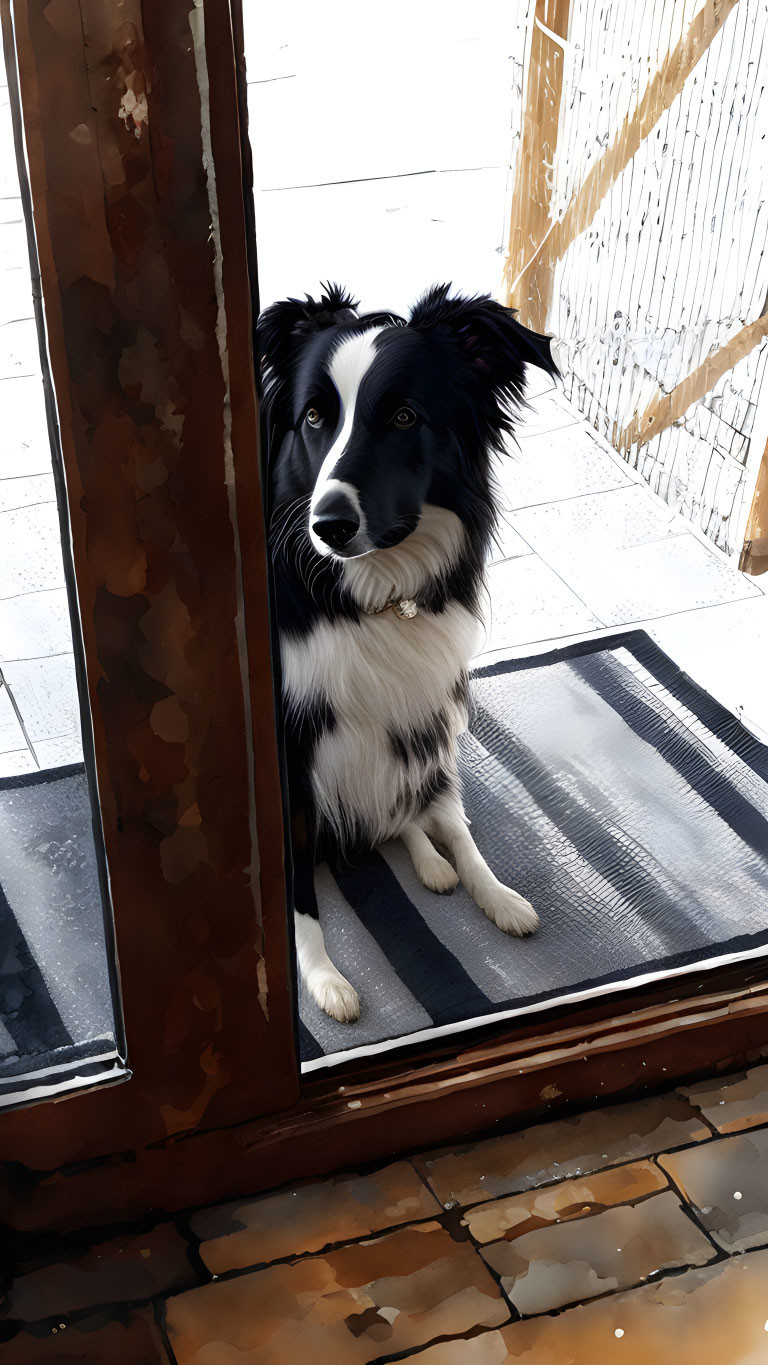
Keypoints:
pixel 380 435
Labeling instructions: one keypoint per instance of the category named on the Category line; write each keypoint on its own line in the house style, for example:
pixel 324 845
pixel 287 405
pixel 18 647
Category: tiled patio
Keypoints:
pixel 586 548
pixel 39 711
pixel 630 1234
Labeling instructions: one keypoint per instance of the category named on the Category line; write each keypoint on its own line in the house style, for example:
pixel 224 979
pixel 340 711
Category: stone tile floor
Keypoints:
pixel 39 708
pixel 633 1234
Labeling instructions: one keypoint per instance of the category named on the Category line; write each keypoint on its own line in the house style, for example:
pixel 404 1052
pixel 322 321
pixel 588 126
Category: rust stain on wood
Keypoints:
pixel 670 407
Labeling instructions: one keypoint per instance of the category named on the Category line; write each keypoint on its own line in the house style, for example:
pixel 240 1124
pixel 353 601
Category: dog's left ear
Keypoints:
pixel 488 336
pixel 284 327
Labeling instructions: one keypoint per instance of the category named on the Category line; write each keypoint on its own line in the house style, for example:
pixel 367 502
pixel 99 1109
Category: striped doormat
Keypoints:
pixel 604 785
pixel 56 1012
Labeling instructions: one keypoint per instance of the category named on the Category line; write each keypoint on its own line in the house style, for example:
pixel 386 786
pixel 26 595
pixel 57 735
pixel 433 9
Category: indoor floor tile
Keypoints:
pixel 131 1266
pixel 309 1217
pixel 735 1102
pixel 129 1337
pixel 560 1150
pixel 713 1316
pixel 348 1307
pixel 517 1214
pixel 727 1186
pixel 569 1262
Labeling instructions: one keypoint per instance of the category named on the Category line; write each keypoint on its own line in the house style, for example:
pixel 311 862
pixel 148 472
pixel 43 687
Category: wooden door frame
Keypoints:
pixel 216 1107
pixel 131 120
pixel 629 1044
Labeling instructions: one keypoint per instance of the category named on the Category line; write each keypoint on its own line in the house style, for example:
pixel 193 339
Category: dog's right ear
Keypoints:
pixel 284 327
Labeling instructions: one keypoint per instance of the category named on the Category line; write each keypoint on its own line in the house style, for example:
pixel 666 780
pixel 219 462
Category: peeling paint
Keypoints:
pixel 133 77
pixel 263 985
pixel 134 109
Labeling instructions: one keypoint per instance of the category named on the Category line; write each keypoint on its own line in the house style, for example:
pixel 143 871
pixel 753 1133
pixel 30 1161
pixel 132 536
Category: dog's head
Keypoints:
pixel 372 417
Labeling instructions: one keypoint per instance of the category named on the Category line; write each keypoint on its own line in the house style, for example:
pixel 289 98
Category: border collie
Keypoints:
pixel 380 434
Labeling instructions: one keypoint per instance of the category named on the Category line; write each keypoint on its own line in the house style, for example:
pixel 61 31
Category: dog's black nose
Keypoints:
pixel 336 520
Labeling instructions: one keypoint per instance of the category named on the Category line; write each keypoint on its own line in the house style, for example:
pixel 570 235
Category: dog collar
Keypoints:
pixel 404 607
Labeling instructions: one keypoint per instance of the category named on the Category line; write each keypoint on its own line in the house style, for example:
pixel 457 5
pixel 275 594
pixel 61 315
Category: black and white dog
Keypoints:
pixel 380 435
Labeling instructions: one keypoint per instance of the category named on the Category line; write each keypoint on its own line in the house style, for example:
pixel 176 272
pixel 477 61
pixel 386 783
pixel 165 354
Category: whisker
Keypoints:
pixel 286 523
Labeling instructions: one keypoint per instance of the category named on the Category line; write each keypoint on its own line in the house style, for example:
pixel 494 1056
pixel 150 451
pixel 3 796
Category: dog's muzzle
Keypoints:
pixel 335 520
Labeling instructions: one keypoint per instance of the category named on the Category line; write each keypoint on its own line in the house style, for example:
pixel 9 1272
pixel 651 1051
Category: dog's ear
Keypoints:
pixel 487 349
pixel 283 327
pixel 489 337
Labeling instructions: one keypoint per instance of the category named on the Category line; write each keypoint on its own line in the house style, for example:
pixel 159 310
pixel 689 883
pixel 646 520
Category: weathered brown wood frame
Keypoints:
pixel 138 274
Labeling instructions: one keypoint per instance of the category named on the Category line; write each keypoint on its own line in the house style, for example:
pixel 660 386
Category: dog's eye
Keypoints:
pixel 403 418
pixel 313 418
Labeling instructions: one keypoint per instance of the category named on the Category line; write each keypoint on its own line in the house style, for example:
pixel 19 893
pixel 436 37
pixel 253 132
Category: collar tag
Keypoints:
pixel 404 607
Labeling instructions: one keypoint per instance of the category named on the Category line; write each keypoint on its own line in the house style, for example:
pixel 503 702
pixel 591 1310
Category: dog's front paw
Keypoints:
pixel 333 993
pixel 436 873
pixel 510 911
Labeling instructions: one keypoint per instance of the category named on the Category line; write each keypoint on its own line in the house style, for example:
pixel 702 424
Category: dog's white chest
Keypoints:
pixel 391 687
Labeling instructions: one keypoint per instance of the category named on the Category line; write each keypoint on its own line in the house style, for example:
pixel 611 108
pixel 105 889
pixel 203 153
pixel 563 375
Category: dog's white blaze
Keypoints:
pixel 349 364
pixel 341 486
pixel 382 676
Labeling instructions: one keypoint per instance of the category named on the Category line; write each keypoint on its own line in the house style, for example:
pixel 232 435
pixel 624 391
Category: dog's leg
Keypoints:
pixel 430 867
pixel 444 820
pixel 328 988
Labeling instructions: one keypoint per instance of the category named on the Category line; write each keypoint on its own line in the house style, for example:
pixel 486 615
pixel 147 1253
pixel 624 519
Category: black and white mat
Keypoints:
pixel 56 1014
pixel 626 804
